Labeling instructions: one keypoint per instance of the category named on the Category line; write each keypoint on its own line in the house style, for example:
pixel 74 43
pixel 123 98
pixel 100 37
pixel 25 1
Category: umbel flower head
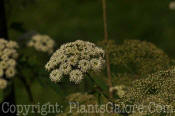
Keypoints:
pixel 42 43
pixel 75 59
pixel 8 56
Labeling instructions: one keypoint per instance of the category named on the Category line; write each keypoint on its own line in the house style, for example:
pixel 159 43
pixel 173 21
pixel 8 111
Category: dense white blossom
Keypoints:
pixel 42 43
pixel 75 59
pixel 8 56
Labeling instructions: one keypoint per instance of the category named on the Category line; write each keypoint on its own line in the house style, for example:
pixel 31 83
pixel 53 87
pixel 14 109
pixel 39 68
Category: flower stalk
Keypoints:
pixel 107 53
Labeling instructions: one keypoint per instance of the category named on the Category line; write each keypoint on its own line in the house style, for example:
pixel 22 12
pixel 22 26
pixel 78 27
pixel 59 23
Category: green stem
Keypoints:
pixel 107 53
pixel 100 90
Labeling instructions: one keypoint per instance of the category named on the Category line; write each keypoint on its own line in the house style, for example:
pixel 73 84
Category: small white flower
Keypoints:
pixel 76 76
pixel 68 50
pixel 54 62
pixel 2 46
pixel 96 64
pixel 100 51
pixel 12 44
pixel 48 66
pixel 73 60
pixel 62 57
pixel 5 57
pixel 3 41
pixel 10 72
pixel 56 75
pixel 65 68
pixel 84 65
pixel 3 65
pixel 11 62
pixel 85 55
pixel 3 83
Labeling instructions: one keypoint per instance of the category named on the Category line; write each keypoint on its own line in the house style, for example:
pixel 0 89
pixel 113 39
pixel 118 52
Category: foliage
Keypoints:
pixel 85 100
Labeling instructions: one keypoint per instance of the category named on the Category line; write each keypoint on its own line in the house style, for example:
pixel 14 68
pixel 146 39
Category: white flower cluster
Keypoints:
pixel 8 56
pixel 42 43
pixel 75 59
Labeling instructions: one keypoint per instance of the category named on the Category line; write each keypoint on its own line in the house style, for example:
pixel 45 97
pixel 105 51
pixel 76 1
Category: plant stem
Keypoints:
pixel 100 90
pixel 105 20
pixel 27 87
pixel 107 54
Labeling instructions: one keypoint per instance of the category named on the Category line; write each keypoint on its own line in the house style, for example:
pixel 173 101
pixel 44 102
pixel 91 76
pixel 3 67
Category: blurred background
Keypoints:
pixel 66 20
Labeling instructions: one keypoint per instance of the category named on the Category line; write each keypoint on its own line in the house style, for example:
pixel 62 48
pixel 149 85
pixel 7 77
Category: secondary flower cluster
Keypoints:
pixel 8 56
pixel 42 43
pixel 75 59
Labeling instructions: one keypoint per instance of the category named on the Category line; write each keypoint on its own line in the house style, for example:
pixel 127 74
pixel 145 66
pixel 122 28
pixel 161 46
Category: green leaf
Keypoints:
pixel 100 81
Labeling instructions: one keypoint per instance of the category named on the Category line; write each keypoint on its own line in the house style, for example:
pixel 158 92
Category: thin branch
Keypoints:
pixel 107 54
pixel 28 90
pixel 105 20
pixel 27 87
